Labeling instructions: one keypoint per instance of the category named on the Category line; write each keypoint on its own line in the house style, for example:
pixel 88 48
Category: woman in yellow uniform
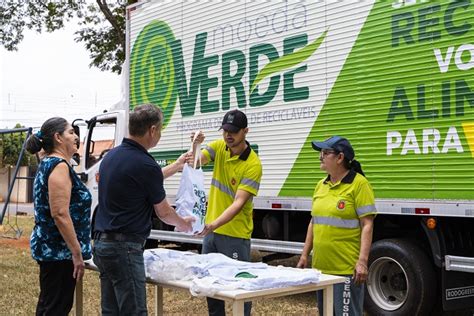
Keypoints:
pixel 340 231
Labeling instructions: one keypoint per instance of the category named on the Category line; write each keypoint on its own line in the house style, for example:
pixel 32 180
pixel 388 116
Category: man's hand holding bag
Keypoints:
pixel 191 196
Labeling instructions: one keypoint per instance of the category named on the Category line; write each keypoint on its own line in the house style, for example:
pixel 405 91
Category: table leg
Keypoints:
pixel 328 297
pixel 78 299
pixel 158 300
pixel 238 308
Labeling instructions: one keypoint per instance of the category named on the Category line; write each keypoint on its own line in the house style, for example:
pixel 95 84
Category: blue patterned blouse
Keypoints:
pixel 46 242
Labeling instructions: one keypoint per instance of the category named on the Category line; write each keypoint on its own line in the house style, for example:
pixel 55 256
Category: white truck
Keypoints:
pixel 395 78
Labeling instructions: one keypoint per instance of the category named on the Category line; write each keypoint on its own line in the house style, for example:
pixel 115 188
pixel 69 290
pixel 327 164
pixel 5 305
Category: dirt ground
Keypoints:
pixel 19 286
pixel 22 243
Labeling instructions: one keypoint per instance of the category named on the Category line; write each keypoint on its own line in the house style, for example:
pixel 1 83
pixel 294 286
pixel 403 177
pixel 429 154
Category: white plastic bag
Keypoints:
pixel 191 196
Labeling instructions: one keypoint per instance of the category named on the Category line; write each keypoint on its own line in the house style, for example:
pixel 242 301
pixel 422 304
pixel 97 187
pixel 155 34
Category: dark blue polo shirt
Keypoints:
pixel 130 183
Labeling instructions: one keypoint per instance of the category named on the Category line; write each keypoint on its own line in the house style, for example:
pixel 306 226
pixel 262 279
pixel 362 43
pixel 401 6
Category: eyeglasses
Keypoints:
pixel 324 153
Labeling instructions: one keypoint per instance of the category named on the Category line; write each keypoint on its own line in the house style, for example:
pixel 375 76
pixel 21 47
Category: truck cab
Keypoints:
pixel 101 133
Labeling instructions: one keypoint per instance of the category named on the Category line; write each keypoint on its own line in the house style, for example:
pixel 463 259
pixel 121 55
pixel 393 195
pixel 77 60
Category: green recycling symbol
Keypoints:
pixel 152 69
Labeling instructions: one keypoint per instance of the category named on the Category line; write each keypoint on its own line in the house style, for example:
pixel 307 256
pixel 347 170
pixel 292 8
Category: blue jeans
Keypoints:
pixel 348 298
pixel 232 247
pixel 122 277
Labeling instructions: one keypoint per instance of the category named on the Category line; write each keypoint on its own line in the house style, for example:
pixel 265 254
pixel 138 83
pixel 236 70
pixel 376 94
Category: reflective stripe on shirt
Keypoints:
pixel 250 183
pixel 336 222
pixel 361 211
pixel 211 152
pixel 223 187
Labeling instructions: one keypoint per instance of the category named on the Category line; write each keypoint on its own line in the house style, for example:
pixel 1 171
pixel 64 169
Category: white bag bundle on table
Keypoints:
pixel 191 196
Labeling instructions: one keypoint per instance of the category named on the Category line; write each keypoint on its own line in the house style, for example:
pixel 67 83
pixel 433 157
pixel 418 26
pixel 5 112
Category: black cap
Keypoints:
pixel 234 121
pixel 337 143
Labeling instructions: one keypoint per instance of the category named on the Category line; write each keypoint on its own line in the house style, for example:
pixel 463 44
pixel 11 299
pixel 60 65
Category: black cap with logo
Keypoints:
pixel 234 121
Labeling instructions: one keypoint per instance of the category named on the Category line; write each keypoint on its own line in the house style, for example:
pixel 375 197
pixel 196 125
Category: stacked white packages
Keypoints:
pixel 214 272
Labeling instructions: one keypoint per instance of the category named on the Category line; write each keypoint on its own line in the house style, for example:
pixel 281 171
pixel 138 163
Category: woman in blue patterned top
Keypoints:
pixel 60 241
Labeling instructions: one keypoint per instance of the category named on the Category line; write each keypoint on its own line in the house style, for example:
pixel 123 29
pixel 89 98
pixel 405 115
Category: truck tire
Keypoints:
pixel 401 279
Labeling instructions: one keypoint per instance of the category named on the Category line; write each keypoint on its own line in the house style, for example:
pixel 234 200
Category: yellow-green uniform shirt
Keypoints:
pixel 336 229
pixel 230 174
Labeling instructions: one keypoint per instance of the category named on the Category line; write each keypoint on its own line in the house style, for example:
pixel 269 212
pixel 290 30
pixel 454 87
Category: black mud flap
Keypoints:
pixel 457 290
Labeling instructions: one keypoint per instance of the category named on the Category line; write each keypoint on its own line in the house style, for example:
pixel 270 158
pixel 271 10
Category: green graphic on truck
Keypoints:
pixel 158 75
pixel 404 96
pixel 405 99
pixel 152 69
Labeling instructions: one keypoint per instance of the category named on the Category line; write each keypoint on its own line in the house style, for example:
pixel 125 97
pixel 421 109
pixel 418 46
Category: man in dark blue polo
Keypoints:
pixel 130 188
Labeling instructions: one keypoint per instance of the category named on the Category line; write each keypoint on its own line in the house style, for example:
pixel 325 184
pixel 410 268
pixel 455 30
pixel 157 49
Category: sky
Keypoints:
pixel 50 76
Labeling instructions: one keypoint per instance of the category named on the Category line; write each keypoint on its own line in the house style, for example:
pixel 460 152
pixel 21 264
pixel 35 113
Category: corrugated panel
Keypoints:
pixel 355 78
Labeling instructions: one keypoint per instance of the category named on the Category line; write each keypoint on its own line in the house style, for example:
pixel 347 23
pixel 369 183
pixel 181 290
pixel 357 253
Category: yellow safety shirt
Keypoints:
pixel 336 229
pixel 242 172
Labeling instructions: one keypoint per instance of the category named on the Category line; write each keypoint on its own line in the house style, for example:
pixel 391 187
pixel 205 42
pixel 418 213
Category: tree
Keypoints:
pixel 102 25
pixel 10 147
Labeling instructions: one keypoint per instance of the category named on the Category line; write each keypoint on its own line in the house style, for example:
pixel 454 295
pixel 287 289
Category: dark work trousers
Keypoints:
pixel 56 288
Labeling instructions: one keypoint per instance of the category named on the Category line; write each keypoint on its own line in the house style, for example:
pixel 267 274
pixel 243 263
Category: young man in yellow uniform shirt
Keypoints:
pixel 235 181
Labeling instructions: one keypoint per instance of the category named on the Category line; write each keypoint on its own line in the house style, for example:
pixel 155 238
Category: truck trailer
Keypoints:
pixel 394 77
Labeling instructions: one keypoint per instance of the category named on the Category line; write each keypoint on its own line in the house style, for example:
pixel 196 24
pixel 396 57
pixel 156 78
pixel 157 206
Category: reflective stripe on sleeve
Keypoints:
pixel 361 211
pixel 223 187
pixel 336 222
pixel 212 152
pixel 250 183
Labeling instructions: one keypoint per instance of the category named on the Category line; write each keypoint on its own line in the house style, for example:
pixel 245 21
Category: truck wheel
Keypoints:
pixel 401 280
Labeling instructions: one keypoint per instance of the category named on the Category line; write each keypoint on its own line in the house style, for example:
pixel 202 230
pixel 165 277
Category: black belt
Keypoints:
pixel 111 236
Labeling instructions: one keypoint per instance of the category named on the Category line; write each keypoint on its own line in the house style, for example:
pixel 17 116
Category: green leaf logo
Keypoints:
pixel 152 69
pixel 288 61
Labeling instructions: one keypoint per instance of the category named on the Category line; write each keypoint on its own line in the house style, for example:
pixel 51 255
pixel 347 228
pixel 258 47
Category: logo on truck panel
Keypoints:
pixel 152 70
pixel 460 292
pixel 158 72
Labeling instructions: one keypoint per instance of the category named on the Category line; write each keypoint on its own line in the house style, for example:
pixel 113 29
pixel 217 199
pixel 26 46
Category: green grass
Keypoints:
pixel 19 287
